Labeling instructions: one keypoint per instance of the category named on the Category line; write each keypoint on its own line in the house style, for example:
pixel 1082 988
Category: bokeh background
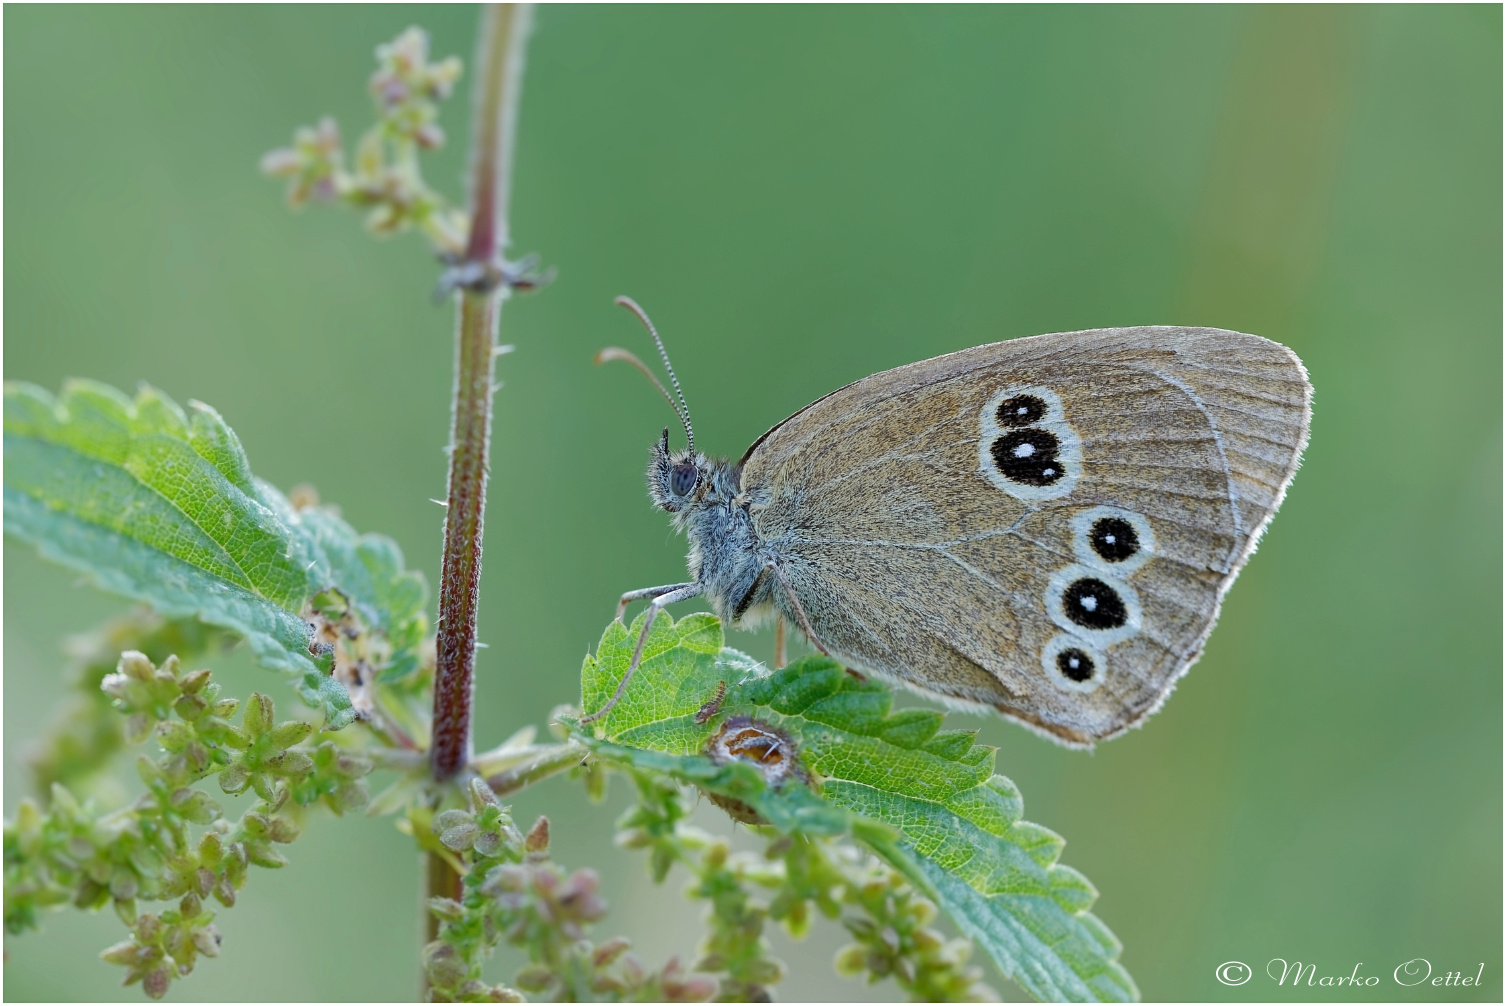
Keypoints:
pixel 802 197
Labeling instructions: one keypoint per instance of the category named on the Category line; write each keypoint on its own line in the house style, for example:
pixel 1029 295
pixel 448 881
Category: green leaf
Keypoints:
pixel 925 800
pixel 157 503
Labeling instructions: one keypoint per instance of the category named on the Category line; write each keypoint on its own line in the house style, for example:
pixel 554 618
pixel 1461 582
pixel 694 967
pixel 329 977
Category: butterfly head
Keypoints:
pixel 678 480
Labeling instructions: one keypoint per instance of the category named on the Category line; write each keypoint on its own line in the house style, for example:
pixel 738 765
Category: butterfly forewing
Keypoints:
pixel 1045 526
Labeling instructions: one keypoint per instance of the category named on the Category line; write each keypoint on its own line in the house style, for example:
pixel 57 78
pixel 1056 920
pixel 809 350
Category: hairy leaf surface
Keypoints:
pixel 157 503
pixel 925 799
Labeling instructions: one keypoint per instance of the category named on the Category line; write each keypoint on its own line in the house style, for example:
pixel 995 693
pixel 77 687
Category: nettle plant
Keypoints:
pixel 868 817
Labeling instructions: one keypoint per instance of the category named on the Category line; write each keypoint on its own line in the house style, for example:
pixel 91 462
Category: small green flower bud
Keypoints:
pixel 194 681
pixel 482 795
pixel 211 849
pixel 234 737
pixel 125 910
pixel 447 819
pixel 124 953
pixel 447 909
pixel 190 906
pixel 196 806
pixel 225 708
pixel 443 965
pixel 265 787
pixel 348 796
pixel 487 843
pixel 659 862
pixel 695 989
pixel 224 892
pixel 265 856
pixel 610 951
pixel 191 707
pixel 148 928
pixel 797 922
pixel 156 981
pixel 352 766
pixel 534 978
pixel 135 664
pixel 174 735
pixel 926 939
pixel 137 727
pixel 538 836
pixel 259 714
pixel 292 763
pixel 290 733
pixel 123 885
pixel 460 837
pixel 207 941
pixel 90 894
pixel 282 830
pixel 764 971
pixel 235 779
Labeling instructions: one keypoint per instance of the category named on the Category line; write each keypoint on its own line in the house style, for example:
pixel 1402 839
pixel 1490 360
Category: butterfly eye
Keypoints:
pixel 683 479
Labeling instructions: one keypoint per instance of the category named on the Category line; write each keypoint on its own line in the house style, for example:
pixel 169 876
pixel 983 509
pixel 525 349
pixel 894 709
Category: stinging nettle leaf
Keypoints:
pixel 923 799
pixel 157 503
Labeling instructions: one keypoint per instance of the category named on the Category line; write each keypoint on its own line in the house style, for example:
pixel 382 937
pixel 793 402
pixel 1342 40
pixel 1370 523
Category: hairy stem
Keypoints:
pixel 499 76
pixel 499 70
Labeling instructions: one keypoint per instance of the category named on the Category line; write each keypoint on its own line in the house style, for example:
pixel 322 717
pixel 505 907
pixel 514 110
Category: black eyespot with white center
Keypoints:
pixel 1026 446
pixel 1093 604
pixel 1028 457
pixel 1114 539
pixel 1020 410
pixel 1075 664
pixel 683 478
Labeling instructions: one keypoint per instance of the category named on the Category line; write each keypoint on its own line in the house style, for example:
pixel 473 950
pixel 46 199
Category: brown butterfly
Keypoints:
pixel 1045 527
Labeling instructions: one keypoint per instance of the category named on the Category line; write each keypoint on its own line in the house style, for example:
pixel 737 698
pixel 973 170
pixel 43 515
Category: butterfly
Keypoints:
pixel 1045 527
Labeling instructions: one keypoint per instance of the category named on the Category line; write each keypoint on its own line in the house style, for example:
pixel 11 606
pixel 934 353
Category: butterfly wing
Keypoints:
pixel 1046 526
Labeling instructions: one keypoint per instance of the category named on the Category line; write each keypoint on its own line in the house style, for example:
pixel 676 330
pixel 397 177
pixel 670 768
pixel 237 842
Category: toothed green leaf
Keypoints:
pixel 157 503
pixel 925 800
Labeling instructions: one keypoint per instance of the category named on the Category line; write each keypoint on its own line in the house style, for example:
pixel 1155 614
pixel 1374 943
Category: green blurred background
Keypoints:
pixel 802 197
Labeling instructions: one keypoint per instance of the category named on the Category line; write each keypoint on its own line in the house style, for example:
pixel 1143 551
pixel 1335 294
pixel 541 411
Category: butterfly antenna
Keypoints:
pixel 683 411
pixel 618 353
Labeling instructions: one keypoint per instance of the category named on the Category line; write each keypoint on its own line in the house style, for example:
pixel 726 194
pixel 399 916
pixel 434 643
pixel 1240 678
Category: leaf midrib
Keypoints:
pixel 245 580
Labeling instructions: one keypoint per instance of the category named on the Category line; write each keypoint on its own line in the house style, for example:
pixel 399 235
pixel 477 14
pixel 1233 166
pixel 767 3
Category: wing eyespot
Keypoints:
pixel 1026 447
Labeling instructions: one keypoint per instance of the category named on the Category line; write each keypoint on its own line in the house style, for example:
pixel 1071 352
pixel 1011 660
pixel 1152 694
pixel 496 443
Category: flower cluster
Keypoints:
pixel 513 892
pixel 385 179
pixel 86 732
pixel 793 879
pixel 893 940
pixel 174 842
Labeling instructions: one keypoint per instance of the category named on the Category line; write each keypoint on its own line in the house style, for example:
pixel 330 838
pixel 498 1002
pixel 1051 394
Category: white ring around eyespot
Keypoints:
pixel 1064 578
pixel 1069 449
pixel 1082 527
pixel 1065 642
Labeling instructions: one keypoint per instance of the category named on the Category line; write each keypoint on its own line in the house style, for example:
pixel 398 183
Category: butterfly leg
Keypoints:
pixel 669 595
pixel 644 593
pixel 805 624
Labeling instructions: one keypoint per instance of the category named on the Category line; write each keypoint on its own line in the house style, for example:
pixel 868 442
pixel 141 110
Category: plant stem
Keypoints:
pixel 499 71
pixel 499 77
